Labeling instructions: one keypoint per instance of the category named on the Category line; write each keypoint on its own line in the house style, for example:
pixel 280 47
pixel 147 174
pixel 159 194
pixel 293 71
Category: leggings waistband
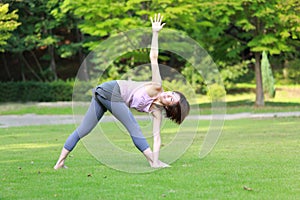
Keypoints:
pixel 110 91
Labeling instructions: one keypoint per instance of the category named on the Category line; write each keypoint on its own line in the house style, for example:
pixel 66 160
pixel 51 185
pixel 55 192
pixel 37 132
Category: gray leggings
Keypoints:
pixel 94 114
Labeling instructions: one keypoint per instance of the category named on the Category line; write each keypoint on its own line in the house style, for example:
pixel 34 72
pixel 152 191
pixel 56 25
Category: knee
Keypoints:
pixel 72 141
pixel 140 143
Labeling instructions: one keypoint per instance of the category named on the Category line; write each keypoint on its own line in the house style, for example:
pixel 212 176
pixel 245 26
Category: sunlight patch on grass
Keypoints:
pixel 11 147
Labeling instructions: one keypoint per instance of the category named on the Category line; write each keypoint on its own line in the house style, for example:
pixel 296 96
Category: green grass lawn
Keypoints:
pixel 253 159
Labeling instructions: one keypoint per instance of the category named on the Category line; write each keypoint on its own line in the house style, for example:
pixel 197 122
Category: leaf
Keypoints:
pixel 268 39
pixel 206 23
pixel 285 34
pixel 247 188
pixel 8 23
pixel 245 24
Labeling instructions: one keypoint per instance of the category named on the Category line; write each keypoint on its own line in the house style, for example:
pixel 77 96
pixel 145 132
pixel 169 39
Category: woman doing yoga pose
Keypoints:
pixel 120 95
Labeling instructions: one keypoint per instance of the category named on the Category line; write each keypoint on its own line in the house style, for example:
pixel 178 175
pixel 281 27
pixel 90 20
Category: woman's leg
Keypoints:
pixel 90 120
pixel 124 115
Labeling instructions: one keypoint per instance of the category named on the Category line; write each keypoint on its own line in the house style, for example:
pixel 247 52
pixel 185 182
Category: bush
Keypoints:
pixel 267 76
pixel 216 92
pixel 36 91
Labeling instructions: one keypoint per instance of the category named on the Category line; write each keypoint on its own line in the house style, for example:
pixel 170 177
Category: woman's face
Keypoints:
pixel 169 98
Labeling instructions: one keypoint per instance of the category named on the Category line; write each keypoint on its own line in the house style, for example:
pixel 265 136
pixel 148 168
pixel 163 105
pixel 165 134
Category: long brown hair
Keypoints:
pixel 179 111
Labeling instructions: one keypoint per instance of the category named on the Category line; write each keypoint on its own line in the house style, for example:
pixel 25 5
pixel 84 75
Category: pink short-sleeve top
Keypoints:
pixel 135 95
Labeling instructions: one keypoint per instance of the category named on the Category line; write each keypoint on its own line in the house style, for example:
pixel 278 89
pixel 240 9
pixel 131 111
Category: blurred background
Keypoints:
pixel 254 43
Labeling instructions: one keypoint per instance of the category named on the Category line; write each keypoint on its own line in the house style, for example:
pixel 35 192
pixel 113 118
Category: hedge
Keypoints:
pixel 31 91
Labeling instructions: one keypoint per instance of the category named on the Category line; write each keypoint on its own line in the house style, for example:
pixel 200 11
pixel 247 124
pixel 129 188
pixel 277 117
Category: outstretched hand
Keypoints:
pixel 156 22
pixel 159 164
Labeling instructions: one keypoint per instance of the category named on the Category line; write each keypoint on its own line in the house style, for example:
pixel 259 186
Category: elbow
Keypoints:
pixel 157 140
pixel 153 61
pixel 153 57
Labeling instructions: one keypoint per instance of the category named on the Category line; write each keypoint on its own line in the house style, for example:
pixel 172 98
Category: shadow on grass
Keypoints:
pixel 282 104
pixel 235 91
pixel 249 103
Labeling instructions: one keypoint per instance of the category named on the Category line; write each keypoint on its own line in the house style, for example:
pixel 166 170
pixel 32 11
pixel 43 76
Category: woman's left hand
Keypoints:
pixel 160 164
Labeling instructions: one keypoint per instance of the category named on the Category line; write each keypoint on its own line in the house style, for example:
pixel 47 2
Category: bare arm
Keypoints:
pixel 153 156
pixel 157 117
pixel 156 27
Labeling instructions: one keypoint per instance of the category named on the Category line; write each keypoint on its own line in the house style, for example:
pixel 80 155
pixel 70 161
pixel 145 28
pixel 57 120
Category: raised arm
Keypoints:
pixel 156 27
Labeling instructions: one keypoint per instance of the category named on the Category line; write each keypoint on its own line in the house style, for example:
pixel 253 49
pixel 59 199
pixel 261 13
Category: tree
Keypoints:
pixel 234 32
pixel 42 32
pixel 43 35
pixel 101 19
pixel 247 28
pixel 8 23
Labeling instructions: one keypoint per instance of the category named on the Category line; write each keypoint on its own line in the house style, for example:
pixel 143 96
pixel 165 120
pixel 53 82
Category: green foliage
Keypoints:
pixel 231 74
pixel 195 79
pixel 267 76
pixel 37 23
pixel 293 71
pixel 290 74
pixel 35 91
pixel 43 33
pixel 216 92
pixel 105 18
pixel 8 23
pixel 102 18
pixel 230 30
pixel 260 25
pixel 181 86
pixel 241 28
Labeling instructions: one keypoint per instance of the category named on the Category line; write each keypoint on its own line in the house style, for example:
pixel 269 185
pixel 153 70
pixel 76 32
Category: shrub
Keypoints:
pixel 216 92
pixel 267 76
pixel 36 91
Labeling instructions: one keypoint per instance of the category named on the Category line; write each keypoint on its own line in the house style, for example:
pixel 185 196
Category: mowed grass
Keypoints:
pixel 253 159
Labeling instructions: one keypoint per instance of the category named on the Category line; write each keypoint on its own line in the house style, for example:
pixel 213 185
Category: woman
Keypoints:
pixel 118 96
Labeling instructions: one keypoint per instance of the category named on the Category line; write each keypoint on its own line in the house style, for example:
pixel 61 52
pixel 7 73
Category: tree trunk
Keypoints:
pixel 84 75
pixel 5 66
pixel 23 59
pixel 52 62
pixel 259 101
pixel 285 70
pixel 22 71
pixel 37 62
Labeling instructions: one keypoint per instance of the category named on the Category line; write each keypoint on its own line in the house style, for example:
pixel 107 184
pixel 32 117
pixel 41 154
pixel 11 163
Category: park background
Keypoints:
pixel 254 43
